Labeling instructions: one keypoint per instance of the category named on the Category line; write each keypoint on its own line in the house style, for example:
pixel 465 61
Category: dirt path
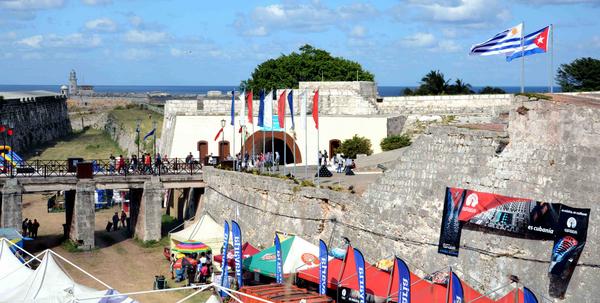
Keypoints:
pixel 119 262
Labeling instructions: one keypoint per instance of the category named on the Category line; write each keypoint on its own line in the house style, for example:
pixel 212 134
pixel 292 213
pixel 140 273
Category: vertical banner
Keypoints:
pixel 528 296
pixel 224 270
pixel 457 290
pixel 323 267
pixel 570 238
pixel 360 272
pixel 451 227
pixel 236 233
pixel 278 261
pixel 403 281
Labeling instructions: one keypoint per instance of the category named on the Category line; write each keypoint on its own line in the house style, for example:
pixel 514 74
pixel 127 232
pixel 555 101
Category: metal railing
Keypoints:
pixel 98 167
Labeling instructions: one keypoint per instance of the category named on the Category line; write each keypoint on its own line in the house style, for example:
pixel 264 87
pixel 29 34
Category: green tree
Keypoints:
pixel 435 83
pixel 488 90
pixel 311 64
pixel 582 74
pixel 460 88
pixel 395 142
pixel 356 145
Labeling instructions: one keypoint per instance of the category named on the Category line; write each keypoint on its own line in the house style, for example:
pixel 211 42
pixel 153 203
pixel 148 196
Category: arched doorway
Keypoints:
pixel 279 141
pixel 223 150
pixel 202 150
pixel 334 144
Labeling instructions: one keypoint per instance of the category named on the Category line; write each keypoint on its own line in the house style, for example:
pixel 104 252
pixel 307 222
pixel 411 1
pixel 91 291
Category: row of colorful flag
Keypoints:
pixel 513 44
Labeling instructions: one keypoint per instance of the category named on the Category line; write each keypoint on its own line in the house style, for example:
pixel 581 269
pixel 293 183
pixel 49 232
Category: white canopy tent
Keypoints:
pixel 205 230
pixel 48 283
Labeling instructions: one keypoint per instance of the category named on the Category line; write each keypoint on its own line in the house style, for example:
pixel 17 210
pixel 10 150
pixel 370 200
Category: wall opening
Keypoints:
pixel 202 150
pixel 223 150
pixel 334 145
pixel 279 140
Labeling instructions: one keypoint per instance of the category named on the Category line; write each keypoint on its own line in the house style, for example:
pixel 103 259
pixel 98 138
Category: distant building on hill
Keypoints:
pixel 76 89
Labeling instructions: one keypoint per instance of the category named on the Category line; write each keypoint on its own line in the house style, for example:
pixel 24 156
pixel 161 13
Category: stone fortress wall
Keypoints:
pixel 37 119
pixel 551 155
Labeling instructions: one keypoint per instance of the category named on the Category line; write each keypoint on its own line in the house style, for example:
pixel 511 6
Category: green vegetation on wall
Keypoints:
pixel 355 145
pixel 395 142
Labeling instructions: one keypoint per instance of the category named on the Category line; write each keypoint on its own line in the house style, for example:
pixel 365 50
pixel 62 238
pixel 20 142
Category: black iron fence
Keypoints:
pixel 101 167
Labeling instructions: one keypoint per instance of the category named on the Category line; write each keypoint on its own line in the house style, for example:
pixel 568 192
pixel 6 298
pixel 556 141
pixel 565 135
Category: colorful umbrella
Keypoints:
pixel 191 247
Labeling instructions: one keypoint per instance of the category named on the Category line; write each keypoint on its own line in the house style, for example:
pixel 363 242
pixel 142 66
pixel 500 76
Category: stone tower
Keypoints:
pixel 72 83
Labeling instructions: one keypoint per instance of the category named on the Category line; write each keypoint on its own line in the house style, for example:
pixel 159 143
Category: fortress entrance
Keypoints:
pixel 279 141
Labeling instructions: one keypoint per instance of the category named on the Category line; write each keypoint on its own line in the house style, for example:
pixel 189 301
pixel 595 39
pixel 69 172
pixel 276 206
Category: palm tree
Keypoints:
pixel 433 83
pixel 460 88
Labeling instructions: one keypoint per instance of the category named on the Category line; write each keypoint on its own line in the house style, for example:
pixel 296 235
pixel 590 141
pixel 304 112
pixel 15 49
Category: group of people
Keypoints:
pixel 143 165
pixel 30 229
pixel 116 219
pixel 340 163
pixel 198 273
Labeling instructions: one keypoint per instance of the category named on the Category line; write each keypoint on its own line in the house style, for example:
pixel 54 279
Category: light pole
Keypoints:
pixel 154 128
pixel 10 133
pixel 222 148
pixel 3 134
pixel 137 130
pixel 243 157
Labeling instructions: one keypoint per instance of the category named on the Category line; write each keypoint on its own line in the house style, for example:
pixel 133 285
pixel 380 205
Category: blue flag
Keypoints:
pixel 290 98
pixel 528 296
pixel 261 109
pixel 224 272
pixel 360 272
pixel 236 233
pixel 232 107
pixel 534 43
pixel 323 267
pixel 457 290
pixel 278 262
pixel 149 134
pixel 403 281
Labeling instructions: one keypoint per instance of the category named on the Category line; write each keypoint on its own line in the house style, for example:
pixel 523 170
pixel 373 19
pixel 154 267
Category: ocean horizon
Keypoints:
pixel 384 90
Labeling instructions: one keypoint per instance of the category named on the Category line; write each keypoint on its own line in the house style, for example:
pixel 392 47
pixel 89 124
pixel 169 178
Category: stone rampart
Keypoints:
pixel 552 156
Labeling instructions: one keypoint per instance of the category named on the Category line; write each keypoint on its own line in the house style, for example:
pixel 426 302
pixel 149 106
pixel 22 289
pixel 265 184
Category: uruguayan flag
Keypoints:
pixel 505 42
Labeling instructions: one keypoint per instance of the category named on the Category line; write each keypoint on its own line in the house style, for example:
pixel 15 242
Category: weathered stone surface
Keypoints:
pixel 12 205
pixel 552 155
pixel 148 223
pixel 84 217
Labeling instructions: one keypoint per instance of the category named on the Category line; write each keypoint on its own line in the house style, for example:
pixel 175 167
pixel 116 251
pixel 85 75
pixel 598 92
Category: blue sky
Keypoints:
pixel 194 42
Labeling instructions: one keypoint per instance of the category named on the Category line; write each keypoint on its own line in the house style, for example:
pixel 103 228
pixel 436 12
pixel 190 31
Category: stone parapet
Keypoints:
pixel 12 205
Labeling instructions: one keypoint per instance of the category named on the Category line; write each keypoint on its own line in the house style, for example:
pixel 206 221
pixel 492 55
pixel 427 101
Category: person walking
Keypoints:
pixel 277 159
pixel 121 165
pixel 115 221
pixel 320 158
pixel 325 157
pixel 123 218
pixel 24 227
pixel 34 228
pixel 29 228
pixel 148 163
pixel 112 163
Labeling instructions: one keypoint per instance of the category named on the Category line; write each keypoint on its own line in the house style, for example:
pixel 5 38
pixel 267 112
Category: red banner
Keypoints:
pixel 478 202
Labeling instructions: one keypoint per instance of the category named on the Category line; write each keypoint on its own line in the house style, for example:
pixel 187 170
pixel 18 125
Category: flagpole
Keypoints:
pixel 253 139
pixel 522 59
pixel 284 138
pixel 448 285
pixel 264 149
pixel 318 142
pixel 551 58
pixel 272 134
pixel 305 134
pixel 233 129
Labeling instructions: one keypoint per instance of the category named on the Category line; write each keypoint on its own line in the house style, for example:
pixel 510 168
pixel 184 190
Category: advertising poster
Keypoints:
pixel 571 235
pixel 451 226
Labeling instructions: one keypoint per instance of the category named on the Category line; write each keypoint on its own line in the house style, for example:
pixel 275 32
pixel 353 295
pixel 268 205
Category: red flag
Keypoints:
pixel 249 102
pixel 240 130
pixel 218 134
pixel 315 109
pixel 281 109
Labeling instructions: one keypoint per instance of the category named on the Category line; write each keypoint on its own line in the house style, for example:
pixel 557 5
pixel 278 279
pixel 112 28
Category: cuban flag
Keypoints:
pixel 534 43
pixel 505 42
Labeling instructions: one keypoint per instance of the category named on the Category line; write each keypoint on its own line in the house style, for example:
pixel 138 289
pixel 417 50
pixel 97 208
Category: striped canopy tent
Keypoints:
pixel 204 229
pixel 296 254
pixel 190 247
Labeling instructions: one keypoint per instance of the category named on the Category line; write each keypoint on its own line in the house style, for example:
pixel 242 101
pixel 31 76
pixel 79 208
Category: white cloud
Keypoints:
pixel 75 40
pixel 33 41
pixel 136 20
pixel 469 13
pixel 30 4
pixel 550 2
pixel 358 31
pixel 97 2
pixel 101 25
pixel 446 46
pixel 136 54
pixel 300 17
pixel 419 40
pixel 144 36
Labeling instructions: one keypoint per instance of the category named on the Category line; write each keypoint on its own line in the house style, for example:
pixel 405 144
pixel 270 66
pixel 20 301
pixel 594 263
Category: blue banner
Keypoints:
pixel 403 281
pixel 225 271
pixel 528 296
pixel 457 290
pixel 323 266
pixel 290 98
pixel 261 109
pixel 236 233
pixel 360 272
pixel 278 262
pixel 232 107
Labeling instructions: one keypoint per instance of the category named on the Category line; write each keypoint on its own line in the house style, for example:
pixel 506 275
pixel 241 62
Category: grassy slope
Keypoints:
pixel 127 117
pixel 89 144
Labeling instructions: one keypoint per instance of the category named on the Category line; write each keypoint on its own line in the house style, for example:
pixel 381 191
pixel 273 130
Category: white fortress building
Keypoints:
pixel 345 109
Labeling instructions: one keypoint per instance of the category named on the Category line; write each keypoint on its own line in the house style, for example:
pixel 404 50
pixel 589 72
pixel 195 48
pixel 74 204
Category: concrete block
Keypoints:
pixel 84 216
pixel 149 218
pixel 12 205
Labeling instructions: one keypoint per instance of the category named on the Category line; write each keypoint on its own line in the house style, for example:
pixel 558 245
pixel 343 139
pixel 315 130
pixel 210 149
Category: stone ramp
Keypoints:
pixel 369 163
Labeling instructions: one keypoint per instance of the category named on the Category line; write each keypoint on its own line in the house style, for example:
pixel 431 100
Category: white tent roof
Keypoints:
pixel 205 230
pixel 302 255
pixel 47 284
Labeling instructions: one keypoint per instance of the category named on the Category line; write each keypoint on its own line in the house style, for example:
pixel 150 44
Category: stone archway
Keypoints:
pixel 258 136
pixel 202 150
